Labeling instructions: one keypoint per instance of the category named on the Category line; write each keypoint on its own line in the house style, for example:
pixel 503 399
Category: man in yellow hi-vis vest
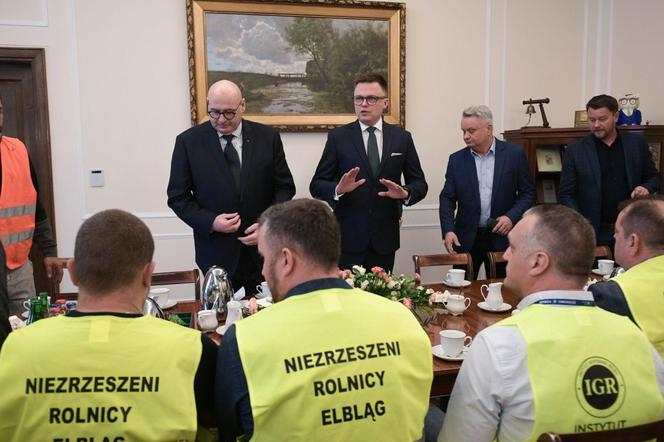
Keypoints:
pixel 326 362
pixel 638 293
pixel 22 219
pixel 105 371
pixel 561 364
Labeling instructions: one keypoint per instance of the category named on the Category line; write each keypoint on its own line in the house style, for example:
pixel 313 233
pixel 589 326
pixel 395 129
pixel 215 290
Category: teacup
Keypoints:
pixel 457 304
pixel 455 276
pixel 207 319
pixel 605 266
pixel 263 291
pixel 160 294
pixel 494 296
pixel 453 342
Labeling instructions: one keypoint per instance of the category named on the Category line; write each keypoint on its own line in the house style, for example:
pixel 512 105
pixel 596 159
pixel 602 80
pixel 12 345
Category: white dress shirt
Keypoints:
pixel 492 394
pixel 237 140
pixel 484 165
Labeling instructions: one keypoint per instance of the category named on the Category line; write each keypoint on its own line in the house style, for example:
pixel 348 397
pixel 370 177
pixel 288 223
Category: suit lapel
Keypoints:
pixel 498 166
pixel 388 143
pixel 214 147
pixel 590 152
pixel 469 165
pixel 358 144
pixel 247 154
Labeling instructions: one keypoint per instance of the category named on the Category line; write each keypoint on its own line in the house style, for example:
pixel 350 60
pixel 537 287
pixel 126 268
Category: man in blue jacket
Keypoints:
pixel 606 168
pixel 489 184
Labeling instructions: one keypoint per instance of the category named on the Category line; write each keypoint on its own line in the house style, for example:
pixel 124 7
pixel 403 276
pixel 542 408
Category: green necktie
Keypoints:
pixel 372 151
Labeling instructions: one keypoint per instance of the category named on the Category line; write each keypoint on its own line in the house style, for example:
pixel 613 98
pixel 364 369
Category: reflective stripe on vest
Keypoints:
pixel 334 365
pixel 595 366
pixel 18 199
pixel 643 287
pixel 99 377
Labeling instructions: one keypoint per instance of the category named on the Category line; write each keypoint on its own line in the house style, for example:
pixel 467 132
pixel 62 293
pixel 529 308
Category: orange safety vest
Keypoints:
pixel 18 199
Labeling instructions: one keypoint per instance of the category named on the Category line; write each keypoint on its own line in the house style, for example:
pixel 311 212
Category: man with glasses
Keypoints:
pixel 359 175
pixel 224 173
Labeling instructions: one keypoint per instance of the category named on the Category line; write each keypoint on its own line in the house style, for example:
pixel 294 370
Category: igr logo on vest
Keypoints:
pixel 600 388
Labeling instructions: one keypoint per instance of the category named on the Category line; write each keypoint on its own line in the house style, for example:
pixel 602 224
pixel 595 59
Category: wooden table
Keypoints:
pixel 471 322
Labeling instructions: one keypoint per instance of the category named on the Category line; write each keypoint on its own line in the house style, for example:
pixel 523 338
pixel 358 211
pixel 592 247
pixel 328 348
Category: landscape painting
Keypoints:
pixel 296 62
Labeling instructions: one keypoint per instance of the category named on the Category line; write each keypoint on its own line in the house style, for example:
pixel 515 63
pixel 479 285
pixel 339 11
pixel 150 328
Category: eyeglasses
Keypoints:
pixel 228 114
pixel 371 99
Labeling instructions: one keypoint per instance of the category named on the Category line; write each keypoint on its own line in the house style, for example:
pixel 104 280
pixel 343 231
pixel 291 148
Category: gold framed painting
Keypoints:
pixel 296 60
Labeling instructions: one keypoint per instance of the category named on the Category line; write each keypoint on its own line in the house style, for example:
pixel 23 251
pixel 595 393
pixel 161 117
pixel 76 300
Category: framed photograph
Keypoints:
pixel 656 152
pixel 296 60
pixel 548 158
pixel 580 118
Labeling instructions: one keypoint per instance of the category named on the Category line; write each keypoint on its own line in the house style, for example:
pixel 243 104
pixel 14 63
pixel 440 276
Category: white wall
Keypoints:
pixel 118 92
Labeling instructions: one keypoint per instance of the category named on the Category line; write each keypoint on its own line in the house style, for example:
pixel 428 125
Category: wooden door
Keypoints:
pixel 24 98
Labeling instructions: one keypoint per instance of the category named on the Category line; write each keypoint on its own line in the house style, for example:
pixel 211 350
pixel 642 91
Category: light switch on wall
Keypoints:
pixel 96 178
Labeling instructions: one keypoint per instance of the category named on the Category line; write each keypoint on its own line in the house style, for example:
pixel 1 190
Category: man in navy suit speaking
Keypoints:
pixel 489 184
pixel 359 176
pixel 606 168
pixel 224 173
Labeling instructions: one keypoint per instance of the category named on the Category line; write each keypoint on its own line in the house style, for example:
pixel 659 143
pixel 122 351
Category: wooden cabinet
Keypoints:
pixel 550 144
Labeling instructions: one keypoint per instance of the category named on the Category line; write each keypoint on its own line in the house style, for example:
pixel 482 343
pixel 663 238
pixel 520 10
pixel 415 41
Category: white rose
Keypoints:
pixel 364 285
pixel 391 284
pixel 359 269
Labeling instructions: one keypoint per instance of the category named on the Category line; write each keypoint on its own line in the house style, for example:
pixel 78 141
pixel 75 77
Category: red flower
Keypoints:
pixel 377 270
pixel 408 303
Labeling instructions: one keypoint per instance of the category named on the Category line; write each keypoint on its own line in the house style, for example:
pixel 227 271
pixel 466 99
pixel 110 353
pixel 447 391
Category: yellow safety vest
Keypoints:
pixel 589 370
pixel 18 199
pixel 643 288
pixel 103 377
pixel 336 365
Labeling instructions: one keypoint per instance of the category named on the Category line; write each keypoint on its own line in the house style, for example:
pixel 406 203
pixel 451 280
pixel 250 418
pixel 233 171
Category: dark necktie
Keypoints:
pixel 372 151
pixel 233 159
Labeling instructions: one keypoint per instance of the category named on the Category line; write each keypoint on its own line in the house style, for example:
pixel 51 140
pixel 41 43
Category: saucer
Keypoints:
pixel 437 351
pixel 503 308
pixel 465 283
pixel 600 273
pixel 170 303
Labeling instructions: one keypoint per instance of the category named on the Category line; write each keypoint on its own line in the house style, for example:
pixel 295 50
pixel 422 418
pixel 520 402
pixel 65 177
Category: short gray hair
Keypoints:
pixel 482 112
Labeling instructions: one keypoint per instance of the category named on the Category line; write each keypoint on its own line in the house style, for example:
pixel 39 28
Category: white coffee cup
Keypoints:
pixel 494 296
pixel 263 291
pixel 455 276
pixel 453 342
pixel 26 303
pixel 207 319
pixel 160 294
pixel 457 304
pixel 605 266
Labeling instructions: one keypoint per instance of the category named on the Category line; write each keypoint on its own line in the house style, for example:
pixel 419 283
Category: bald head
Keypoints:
pixel 225 98
pixel 644 217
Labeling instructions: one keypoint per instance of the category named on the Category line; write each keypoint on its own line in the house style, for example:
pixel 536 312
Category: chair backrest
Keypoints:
pixel 462 259
pixel 603 252
pixel 494 258
pixel 653 430
pixel 179 277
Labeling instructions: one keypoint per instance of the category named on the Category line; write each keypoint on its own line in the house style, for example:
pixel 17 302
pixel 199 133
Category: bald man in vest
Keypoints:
pixel 104 371
pixel 639 292
pixel 22 219
pixel 561 364
pixel 327 362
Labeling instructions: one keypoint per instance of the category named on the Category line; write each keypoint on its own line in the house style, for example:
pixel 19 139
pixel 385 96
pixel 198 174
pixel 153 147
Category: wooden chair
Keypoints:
pixel 603 252
pixel 494 259
pixel 653 430
pixel 179 277
pixel 462 259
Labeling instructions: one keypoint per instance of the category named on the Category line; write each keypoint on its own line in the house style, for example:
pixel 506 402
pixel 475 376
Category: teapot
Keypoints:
pixel 151 307
pixel 217 290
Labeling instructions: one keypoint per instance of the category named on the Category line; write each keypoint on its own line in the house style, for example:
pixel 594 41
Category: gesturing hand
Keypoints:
pixel 394 190
pixel 347 182
pixel 226 222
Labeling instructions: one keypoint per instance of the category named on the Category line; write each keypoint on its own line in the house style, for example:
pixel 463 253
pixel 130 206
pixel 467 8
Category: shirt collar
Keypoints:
pixel 318 284
pixel 378 125
pixel 533 298
pixel 237 132
pixel 492 149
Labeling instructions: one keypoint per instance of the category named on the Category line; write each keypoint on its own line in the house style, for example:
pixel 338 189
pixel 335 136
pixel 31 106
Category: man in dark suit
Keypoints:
pixel 224 173
pixel 605 168
pixel 359 175
pixel 489 184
